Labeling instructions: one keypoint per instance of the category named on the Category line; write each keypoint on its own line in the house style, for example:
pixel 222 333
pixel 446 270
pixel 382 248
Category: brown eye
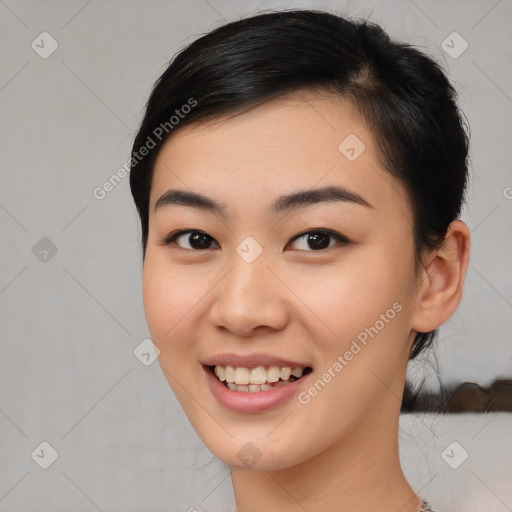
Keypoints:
pixel 189 239
pixel 318 240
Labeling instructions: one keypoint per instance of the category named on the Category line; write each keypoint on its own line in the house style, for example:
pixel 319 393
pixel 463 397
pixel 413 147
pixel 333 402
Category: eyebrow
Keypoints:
pixel 293 201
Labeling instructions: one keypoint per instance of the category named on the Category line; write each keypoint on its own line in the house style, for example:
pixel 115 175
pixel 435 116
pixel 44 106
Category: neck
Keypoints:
pixel 361 472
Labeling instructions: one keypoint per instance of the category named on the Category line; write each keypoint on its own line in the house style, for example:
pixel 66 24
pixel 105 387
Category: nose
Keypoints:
pixel 249 299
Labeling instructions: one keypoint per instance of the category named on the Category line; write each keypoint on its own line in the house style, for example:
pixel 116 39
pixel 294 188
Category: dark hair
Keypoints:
pixel 403 96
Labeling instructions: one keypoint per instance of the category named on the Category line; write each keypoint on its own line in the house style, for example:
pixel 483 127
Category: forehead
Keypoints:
pixel 303 140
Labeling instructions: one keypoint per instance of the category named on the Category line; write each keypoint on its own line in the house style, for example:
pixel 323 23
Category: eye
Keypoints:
pixel 197 240
pixel 317 240
pixel 313 240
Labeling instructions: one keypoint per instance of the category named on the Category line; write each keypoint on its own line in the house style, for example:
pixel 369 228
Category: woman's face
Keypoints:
pixel 298 256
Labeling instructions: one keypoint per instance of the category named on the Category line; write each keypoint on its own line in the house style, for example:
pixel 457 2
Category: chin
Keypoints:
pixel 256 456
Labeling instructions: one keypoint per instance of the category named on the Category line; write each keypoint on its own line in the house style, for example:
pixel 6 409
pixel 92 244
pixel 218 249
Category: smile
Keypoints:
pixel 257 379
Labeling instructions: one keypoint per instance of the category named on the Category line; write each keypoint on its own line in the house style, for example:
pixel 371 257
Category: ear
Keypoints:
pixel 441 280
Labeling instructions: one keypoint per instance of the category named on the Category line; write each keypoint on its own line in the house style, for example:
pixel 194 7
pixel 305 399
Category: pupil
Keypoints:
pixel 318 241
pixel 199 240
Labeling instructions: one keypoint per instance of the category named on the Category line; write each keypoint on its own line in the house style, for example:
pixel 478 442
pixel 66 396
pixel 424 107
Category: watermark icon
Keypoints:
pixel 44 45
pixel 305 397
pixel 454 455
pixel 146 352
pixel 249 249
pixel 249 455
pixel 454 45
pixel 158 134
pixel 351 147
pixel 44 250
pixel 44 455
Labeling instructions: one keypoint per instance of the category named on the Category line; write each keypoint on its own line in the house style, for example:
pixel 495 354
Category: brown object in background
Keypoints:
pixel 501 396
pixel 468 397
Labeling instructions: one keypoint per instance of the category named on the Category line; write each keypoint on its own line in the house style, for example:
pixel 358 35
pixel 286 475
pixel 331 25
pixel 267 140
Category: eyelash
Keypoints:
pixel 339 238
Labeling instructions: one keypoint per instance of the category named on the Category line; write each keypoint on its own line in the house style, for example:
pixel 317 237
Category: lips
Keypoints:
pixel 254 373
pixel 255 398
pixel 254 383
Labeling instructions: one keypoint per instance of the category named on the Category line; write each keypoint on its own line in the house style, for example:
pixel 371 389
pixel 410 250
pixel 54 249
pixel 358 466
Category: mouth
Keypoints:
pixel 259 378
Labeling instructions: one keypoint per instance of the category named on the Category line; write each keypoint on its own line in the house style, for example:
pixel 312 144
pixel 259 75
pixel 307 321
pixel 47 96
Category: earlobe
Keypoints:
pixel 442 279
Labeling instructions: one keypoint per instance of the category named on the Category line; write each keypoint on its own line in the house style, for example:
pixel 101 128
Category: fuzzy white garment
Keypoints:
pixel 459 462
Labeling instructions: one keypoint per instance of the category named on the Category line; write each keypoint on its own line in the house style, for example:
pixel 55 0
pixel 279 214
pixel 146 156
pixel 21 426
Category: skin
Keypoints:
pixel 340 450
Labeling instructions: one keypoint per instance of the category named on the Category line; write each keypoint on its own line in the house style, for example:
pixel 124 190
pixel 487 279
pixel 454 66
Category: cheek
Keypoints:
pixel 361 337
pixel 168 295
pixel 350 297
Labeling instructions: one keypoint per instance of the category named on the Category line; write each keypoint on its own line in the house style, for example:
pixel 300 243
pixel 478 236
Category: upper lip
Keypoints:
pixel 251 361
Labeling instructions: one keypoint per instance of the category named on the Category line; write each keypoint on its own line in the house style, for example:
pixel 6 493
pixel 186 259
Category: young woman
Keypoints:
pixel 299 178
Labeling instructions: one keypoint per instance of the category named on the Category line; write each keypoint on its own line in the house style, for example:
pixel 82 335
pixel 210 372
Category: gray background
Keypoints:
pixel 70 321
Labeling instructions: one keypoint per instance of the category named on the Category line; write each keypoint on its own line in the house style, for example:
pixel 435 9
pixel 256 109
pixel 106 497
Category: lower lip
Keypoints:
pixel 252 402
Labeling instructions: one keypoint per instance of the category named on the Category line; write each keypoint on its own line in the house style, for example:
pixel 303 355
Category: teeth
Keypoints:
pixel 220 371
pixel 254 388
pixel 230 374
pixel 258 375
pixel 273 374
pixel 286 371
pixel 256 379
pixel 297 372
pixel 242 376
